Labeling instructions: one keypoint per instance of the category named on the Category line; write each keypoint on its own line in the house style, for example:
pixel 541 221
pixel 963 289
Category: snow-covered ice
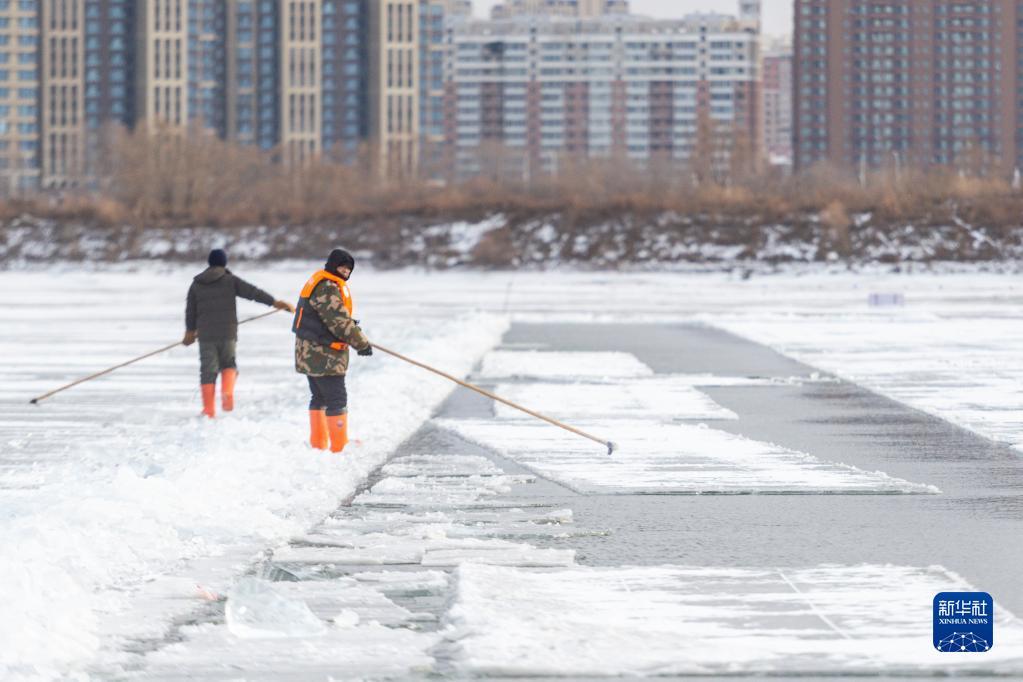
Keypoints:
pixel 428 540
pixel 429 491
pixel 555 365
pixel 345 651
pixel 119 482
pixel 115 500
pixel 659 398
pixel 966 370
pixel 671 458
pixel 827 620
pixel 441 465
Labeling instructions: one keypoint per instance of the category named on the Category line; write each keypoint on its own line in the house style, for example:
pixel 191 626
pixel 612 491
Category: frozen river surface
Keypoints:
pixel 759 518
pixel 487 558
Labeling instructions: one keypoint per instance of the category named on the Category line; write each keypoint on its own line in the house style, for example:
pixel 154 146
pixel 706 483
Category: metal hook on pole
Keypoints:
pixel 611 446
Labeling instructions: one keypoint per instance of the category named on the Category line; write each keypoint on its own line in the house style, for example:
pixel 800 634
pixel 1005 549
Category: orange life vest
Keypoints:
pixel 307 324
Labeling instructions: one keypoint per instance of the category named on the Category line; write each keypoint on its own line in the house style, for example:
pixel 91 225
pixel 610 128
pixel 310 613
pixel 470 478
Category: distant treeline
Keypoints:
pixel 165 179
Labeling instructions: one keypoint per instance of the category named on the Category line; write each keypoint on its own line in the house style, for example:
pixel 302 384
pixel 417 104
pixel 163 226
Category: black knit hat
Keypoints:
pixel 217 259
pixel 339 258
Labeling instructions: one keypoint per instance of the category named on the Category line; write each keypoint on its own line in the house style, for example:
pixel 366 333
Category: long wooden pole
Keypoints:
pixel 482 391
pixel 108 370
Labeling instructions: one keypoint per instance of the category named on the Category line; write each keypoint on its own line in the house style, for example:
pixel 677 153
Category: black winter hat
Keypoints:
pixel 339 258
pixel 217 259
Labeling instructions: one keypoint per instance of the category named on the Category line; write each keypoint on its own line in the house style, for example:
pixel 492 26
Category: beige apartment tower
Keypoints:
pixel 394 86
pixel 301 95
pixel 162 63
pixel 19 129
pixel 62 97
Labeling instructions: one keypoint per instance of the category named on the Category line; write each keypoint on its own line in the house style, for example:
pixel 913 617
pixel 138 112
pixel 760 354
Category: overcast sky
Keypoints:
pixel 777 13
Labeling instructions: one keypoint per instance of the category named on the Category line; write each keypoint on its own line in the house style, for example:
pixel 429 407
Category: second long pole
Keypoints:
pixel 482 391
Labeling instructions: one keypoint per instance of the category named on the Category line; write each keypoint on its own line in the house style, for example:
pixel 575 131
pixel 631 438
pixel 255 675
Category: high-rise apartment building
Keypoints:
pixel 527 92
pixel 776 109
pixel 582 9
pixel 908 82
pixel 345 79
pixel 19 96
pixel 301 82
pixel 250 112
pixel 433 51
pixel 161 63
pixel 290 76
pixel 749 12
pixel 393 90
pixel 62 91
pixel 207 67
pixel 109 37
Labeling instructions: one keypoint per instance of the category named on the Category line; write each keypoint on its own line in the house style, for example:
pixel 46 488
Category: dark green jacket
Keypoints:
pixel 211 308
pixel 316 359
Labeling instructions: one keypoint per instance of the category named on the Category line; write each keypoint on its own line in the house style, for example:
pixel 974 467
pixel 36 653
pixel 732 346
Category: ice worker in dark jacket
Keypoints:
pixel 211 316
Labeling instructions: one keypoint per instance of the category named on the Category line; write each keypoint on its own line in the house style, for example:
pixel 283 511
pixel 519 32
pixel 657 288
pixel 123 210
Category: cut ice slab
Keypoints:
pixel 256 610
pixel 561 365
pixel 345 651
pixel 438 491
pixel 328 598
pixel 671 458
pixel 670 620
pixel 441 465
pixel 501 523
pixel 425 545
pixel 663 398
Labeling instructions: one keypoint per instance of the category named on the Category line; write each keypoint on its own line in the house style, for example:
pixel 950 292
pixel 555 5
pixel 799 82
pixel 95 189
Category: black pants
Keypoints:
pixel 214 358
pixel 329 393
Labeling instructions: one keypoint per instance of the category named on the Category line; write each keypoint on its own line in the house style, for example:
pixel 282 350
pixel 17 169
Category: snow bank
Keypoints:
pixel 130 488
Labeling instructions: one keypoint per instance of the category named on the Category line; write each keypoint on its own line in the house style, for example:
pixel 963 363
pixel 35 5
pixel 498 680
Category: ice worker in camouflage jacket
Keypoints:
pixel 212 316
pixel 324 329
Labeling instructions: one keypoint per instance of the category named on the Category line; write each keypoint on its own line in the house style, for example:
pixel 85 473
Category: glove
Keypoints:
pixel 189 337
pixel 367 351
pixel 284 305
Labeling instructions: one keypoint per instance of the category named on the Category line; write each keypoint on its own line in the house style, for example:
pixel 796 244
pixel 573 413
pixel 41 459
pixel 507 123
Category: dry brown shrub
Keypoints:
pixel 161 176
pixel 836 219
pixel 495 249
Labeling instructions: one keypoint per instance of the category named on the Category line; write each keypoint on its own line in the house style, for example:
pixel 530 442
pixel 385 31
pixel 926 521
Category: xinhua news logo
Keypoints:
pixel 964 622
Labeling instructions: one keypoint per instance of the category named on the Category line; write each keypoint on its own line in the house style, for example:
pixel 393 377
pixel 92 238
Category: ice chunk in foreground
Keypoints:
pixel 255 610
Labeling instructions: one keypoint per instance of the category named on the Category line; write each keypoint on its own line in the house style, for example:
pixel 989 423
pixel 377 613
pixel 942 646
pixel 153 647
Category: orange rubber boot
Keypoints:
pixel 209 400
pixel 338 429
pixel 227 379
pixel 318 436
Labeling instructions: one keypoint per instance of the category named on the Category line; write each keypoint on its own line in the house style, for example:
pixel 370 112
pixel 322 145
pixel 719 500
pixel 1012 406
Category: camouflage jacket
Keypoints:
pixel 318 360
